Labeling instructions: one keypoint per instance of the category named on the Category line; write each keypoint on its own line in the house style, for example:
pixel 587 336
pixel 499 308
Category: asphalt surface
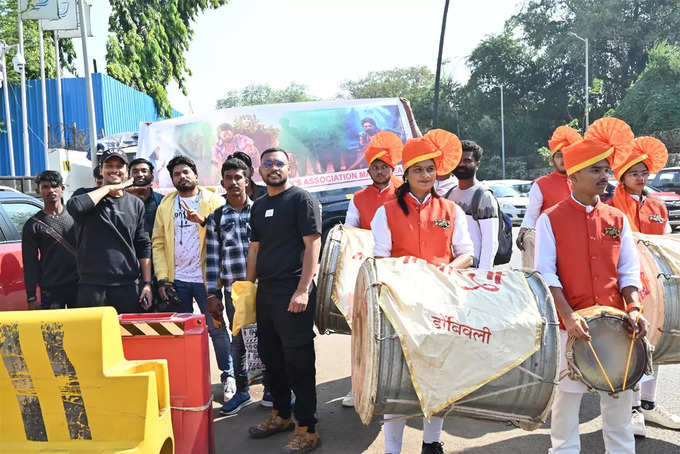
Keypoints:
pixel 341 431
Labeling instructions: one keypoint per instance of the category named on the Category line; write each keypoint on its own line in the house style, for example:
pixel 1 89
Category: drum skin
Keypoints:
pixel 328 318
pixel 611 342
pixel 381 382
pixel 661 302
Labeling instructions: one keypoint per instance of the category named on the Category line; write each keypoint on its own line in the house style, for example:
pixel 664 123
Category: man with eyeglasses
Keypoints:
pixel 283 257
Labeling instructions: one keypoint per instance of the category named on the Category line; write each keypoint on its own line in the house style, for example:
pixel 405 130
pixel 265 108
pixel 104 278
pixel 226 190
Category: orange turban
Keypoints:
pixel 649 150
pixel 563 137
pixel 604 137
pixel 443 147
pixel 385 146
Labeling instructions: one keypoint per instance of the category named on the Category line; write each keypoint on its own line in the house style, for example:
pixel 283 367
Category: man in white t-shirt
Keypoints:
pixel 479 205
pixel 178 243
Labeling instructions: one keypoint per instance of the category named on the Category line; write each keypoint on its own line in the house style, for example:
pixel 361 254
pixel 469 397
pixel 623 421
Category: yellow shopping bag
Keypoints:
pixel 243 297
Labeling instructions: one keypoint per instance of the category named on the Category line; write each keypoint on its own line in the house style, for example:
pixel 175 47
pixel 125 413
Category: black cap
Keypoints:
pixel 114 153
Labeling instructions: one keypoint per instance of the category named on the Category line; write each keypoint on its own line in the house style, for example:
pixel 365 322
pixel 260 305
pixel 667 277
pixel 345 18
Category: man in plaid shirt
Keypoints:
pixel 226 254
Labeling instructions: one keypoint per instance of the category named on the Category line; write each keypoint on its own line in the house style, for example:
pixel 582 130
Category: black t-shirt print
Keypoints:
pixel 278 223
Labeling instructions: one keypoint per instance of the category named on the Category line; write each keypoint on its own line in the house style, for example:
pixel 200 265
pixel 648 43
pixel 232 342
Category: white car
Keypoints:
pixel 521 186
pixel 512 202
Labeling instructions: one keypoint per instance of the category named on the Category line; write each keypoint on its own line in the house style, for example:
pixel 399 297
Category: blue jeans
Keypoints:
pixel 238 348
pixel 190 291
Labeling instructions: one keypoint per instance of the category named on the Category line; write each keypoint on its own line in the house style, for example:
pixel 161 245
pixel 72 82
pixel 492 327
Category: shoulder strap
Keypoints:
pixel 476 198
pixel 218 222
pixel 55 235
pixel 449 192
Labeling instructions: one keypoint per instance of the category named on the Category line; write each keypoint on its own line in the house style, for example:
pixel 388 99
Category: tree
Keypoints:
pixel 148 42
pixel 653 102
pixel 9 34
pixel 255 94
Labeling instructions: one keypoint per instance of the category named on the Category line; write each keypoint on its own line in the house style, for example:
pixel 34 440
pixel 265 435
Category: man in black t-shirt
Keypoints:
pixel 48 248
pixel 283 257
pixel 113 247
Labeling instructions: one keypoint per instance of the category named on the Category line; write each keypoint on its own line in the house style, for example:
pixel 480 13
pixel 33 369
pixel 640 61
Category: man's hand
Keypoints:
pixel 298 302
pixel 191 214
pixel 637 323
pixel 215 306
pixel 33 304
pixel 520 238
pixel 576 326
pixel 114 188
pixel 146 297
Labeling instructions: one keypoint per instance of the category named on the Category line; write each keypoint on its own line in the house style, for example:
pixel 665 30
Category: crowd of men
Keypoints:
pixel 124 245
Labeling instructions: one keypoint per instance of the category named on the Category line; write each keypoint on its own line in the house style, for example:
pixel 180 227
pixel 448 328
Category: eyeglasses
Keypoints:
pixel 269 163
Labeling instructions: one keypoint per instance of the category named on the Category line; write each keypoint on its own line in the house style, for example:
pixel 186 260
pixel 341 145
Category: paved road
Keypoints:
pixel 341 430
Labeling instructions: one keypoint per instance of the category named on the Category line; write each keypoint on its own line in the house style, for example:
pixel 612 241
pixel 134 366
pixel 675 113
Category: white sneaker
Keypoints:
pixel 638 421
pixel 661 416
pixel 229 388
pixel 348 400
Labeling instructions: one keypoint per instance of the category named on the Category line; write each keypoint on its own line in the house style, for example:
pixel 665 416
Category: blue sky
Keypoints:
pixel 318 43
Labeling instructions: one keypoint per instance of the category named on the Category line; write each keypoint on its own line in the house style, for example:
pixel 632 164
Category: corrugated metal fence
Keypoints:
pixel 118 108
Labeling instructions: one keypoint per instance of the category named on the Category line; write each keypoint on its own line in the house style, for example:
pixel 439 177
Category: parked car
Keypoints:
pixel 15 209
pixel 667 180
pixel 512 202
pixel 521 186
pixel 670 199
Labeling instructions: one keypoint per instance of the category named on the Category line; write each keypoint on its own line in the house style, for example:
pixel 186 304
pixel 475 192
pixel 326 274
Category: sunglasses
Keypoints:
pixel 270 163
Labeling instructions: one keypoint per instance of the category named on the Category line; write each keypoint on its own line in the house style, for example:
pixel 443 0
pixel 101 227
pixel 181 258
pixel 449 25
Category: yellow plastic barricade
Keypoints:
pixel 243 296
pixel 66 387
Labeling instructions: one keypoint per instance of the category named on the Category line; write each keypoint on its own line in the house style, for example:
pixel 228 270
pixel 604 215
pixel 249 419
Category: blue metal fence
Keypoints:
pixel 118 108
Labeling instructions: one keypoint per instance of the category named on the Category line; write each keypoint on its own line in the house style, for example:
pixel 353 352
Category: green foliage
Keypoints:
pixel 10 35
pixel 148 41
pixel 253 95
pixel 653 102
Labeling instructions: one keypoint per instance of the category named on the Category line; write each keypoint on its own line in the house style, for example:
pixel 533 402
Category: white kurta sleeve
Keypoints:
pixel 488 229
pixel 629 262
pixel 381 234
pixel 534 207
pixel 352 218
pixel 461 243
pixel 668 229
pixel 545 256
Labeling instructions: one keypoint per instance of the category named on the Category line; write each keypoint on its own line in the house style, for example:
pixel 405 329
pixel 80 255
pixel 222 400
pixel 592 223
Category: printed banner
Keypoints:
pixel 39 9
pixel 459 329
pixel 325 139
pixel 68 17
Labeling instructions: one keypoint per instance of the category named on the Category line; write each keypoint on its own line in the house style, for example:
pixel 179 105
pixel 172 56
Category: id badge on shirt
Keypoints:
pixel 269 213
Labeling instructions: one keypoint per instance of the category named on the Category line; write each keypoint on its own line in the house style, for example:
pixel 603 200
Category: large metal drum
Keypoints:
pixel 381 382
pixel 661 294
pixel 343 252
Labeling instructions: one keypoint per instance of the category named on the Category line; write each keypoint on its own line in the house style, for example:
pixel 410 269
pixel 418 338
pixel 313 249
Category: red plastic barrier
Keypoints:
pixel 181 339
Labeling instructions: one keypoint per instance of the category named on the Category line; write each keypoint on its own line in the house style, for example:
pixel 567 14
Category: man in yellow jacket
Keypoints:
pixel 178 243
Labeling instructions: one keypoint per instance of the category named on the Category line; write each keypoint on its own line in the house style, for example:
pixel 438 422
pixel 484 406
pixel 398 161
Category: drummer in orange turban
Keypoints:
pixel 419 223
pixel 382 154
pixel 586 253
pixel 649 216
pixel 546 191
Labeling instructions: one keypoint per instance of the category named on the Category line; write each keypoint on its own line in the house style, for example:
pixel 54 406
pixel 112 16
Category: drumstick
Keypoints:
pixel 606 377
pixel 630 352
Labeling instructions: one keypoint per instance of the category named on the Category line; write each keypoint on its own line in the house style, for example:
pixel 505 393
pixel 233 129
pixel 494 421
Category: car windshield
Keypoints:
pixel 505 191
pixel 522 188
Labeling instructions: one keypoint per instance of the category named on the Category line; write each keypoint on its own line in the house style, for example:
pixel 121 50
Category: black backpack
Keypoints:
pixel 504 251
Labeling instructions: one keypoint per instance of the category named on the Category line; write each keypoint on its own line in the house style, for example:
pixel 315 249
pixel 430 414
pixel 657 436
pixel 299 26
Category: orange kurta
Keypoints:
pixel 588 249
pixel 649 217
pixel 369 199
pixel 427 231
pixel 554 188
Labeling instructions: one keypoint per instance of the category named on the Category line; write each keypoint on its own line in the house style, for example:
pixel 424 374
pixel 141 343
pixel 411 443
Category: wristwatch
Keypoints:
pixel 147 283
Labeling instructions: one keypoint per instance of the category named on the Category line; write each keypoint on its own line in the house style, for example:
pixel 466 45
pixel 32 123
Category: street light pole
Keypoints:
pixel 4 48
pixel 43 89
pixel 88 84
pixel 502 135
pixel 60 103
pixel 24 107
pixel 587 107
pixel 435 104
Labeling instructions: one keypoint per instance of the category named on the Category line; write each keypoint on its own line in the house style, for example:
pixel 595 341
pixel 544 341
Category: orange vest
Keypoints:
pixel 587 256
pixel 369 199
pixel 555 187
pixel 650 217
pixel 426 232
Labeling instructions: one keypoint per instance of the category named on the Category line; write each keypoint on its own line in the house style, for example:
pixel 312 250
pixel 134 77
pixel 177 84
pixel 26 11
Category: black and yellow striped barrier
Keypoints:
pixel 65 386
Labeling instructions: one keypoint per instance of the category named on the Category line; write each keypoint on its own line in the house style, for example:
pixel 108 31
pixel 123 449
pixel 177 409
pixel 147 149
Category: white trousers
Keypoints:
pixel 394 431
pixel 617 430
pixel 647 390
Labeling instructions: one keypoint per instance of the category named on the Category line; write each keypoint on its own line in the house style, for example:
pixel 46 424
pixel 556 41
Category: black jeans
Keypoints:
pixel 59 297
pixel 286 347
pixel 125 297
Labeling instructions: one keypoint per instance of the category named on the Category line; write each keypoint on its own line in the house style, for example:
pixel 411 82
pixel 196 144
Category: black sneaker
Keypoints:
pixel 432 448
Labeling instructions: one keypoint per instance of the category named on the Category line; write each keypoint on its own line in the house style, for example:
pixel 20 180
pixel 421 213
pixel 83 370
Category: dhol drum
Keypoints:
pixel 381 382
pixel 660 295
pixel 344 250
pixel 603 363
